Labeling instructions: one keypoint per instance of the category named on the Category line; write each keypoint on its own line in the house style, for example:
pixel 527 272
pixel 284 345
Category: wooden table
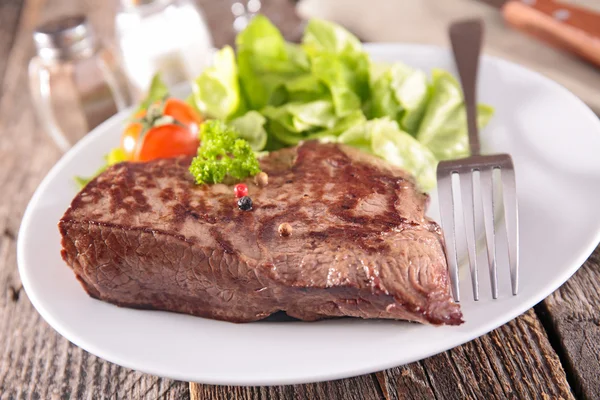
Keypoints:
pixel 552 351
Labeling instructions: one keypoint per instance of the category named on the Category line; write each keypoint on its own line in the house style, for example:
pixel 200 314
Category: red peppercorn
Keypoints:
pixel 240 190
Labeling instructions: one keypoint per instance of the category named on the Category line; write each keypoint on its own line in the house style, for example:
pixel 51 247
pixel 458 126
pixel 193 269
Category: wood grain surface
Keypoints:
pixel 572 314
pixel 555 356
pixel 514 361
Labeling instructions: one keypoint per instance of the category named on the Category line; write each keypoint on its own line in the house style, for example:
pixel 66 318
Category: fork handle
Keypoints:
pixel 466 38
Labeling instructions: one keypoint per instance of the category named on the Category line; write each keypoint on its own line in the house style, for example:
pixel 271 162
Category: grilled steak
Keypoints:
pixel 144 235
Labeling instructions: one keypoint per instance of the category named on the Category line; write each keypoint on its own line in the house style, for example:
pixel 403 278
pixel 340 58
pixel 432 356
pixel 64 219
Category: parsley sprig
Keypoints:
pixel 222 154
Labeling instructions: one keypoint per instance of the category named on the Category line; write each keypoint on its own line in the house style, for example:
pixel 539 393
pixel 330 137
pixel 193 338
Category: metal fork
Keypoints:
pixel 466 39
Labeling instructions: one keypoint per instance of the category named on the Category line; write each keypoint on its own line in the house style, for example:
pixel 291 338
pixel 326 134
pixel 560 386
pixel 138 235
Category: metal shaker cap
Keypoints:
pixel 65 38
pixel 137 3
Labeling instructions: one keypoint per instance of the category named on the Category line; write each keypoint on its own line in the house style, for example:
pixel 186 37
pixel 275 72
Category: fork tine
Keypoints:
pixel 487 199
pixel 511 221
pixel 449 228
pixel 467 197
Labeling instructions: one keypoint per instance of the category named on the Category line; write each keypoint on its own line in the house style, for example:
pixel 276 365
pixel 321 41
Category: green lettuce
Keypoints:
pixel 216 91
pixel 266 62
pixel 410 89
pixel 342 124
pixel 384 138
pixel 251 128
pixel 444 126
pixel 303 88
pixel 325 36
pixel 338 78
pixel 382 102
pixel 295 122
pixel 401 93
pixel 276 94
pixel 302 117
pixel 339 61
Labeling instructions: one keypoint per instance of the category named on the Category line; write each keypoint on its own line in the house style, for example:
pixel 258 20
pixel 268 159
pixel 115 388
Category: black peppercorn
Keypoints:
pixel 245 203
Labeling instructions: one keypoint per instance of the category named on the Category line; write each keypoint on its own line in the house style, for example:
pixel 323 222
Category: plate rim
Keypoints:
pixel 482 329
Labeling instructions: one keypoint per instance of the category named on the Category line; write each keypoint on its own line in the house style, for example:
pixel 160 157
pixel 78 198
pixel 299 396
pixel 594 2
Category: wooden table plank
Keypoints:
pixel 514 361
pixel 9 18
pixel 572 314
pixel 359 388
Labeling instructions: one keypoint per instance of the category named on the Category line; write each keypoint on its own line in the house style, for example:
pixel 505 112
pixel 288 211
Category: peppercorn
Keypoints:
pixel 240 190
pixel 262 179
pixel 245 203
pixel 285 229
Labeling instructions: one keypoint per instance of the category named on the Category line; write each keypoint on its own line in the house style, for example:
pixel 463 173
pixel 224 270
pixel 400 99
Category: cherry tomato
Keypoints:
pixel 184 114
pixel 160 138
pixel 167 141
pixel 129 140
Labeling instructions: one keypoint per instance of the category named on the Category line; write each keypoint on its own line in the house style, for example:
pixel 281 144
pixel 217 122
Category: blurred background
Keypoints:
pixel 90 59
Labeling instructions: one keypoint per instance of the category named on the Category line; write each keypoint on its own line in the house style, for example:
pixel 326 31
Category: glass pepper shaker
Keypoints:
pixel 75 81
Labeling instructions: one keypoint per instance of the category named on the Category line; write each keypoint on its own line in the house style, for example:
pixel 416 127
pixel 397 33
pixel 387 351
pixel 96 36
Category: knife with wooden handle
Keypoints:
pixel 575 29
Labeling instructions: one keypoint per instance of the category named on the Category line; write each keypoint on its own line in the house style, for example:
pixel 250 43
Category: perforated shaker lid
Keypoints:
pixel 64 38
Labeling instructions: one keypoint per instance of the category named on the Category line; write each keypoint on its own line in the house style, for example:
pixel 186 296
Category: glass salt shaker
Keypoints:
pixel 76 83
pixel 166 36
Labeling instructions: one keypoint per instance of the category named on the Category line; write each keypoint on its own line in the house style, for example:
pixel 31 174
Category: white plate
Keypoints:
pixel 554 139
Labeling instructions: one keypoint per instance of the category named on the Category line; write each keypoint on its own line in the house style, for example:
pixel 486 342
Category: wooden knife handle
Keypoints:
pixel 565 26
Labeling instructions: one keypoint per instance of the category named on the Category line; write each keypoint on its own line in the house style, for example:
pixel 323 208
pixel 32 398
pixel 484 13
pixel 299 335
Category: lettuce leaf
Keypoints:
pixel 339 78
pixel 251 128
pixel 338 60
pixel 304 88
pixel 276 94
pixel 401 93
pixel 266 62
pixel 325 36
pixel 410 88
pixel 285 133
pixel 401 149
pixel 216 91
pixel 384 138
pixel 300 117
pixel 382 103
pixel 444 126
pixel 280 136
pixel 342 124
